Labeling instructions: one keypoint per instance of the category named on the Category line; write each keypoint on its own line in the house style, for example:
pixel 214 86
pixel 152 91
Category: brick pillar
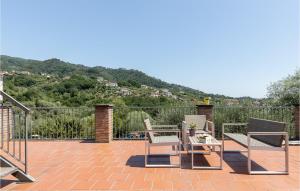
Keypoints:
pixel 104 123
pixel 206 110
pixel 297 121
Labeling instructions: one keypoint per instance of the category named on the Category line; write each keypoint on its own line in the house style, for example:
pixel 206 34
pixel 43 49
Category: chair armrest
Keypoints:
pixel 164 126
pixel 268 133
pixel 231 124
pixel 234 124
pixel 163 130
pixel 283 133
pixel 177 131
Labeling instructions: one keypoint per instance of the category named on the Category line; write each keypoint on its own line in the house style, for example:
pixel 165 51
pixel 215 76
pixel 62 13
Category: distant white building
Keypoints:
pixel 256 103
pixel 111 84
pixel 166 93
pixel 46 75
pixel 155 94
pixel 125 92
pixel 24 72
pixel 100 79
pixel 144 86
pixel 231 102
pixel 66 78
pixel 164 90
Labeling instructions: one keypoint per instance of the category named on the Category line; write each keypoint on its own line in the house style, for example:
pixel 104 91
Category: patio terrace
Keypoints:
pixel 80 165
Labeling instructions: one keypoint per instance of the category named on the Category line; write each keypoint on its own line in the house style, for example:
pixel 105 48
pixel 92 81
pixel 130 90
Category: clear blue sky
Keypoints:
pixel 231 47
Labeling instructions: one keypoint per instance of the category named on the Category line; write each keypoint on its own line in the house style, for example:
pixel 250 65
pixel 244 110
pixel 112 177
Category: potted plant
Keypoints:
pixel 202 138
pixel 192 129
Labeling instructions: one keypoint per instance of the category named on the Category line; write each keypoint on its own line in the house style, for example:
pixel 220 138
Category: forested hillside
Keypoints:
pixel 54 82
pixel 60 68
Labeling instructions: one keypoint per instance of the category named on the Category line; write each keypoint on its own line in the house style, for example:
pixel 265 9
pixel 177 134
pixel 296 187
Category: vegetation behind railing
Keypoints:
pixel 79 123
pixel 242 114
pixel 128 121
pixel 63 123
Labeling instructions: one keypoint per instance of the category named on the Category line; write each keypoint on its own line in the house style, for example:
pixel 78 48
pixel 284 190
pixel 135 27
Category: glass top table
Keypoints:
pixel 203 140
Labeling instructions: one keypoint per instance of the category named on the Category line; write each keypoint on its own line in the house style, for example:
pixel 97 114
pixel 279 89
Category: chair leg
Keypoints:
pixel 146 154
pixel 148 149
pixel 249 154
pixel 267 171
pixel 287 154
pixel 179 145
pixel 249 160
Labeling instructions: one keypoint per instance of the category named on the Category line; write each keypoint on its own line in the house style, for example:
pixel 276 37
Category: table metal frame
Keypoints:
pixel 213 143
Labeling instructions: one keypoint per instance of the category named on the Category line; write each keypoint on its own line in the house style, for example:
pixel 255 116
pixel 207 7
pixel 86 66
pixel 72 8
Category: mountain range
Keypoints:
pixel 59 69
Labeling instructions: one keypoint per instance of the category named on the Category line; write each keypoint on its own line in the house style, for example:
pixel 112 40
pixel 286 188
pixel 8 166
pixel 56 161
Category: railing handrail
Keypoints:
pixel 15 102
pixel 169 106
pixel 26 124
pixel 156 107
pixel 252 107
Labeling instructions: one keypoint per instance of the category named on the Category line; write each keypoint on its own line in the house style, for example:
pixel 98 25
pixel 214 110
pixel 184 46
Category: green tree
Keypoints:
pixel 286 91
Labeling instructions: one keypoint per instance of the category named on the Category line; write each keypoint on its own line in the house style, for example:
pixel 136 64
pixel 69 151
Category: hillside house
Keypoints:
pixel 66 78
pixel 125 92
pixel 166 92
pixel 100 79
pixel 256 103
pixel 111 84
pixel 23 72
pixel 155 94
pixel 144 86
pixel 46 75
pixel 230 102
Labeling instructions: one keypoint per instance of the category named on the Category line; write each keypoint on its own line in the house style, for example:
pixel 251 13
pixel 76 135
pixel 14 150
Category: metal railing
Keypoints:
pixel 15 122
pixel 79 123
pixel 62 123
pixel 128 121
pixel 230 114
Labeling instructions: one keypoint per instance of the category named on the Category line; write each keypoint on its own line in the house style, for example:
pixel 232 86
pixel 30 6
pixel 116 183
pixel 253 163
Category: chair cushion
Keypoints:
pixel 242 139
pixel 166 139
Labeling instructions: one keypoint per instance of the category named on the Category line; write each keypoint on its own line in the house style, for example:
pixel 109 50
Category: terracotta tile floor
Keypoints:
pixel 75 165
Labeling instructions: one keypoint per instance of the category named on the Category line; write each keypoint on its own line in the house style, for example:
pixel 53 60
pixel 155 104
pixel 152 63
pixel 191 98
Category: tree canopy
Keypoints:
pixel 285 91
